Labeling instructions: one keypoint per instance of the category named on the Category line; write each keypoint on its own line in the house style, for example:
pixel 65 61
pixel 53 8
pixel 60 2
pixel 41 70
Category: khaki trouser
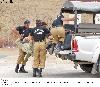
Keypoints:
pixel 21 57
pixel 39 55
pixel 58 34
pixel 25 52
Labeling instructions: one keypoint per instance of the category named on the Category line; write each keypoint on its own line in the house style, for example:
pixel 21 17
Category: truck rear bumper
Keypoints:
pixel 67 54
pixel 82 56
pixel 71 56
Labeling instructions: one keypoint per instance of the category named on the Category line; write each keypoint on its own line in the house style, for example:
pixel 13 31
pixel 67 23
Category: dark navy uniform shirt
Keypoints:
pixel 22 30
pixel 39 33
pixel 58 22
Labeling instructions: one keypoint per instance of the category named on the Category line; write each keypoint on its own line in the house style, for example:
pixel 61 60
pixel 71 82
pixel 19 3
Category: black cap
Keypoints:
pixel 27 22
pixel 38 23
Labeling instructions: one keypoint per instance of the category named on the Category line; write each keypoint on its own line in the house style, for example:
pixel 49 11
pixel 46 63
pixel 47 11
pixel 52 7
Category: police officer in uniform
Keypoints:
pixel 39 34
pixel 24 32
pixel 57 32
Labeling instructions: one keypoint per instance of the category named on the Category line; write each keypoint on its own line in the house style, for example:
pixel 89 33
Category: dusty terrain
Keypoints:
pixel 55 67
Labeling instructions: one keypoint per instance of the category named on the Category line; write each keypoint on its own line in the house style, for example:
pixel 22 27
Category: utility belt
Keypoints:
pixel 38 40
pixel 58 25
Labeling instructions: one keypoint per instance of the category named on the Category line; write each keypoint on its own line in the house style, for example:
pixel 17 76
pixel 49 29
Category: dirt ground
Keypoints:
pixel 55 67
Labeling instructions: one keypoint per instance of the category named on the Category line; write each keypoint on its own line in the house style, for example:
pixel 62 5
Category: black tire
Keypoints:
pixel 59 55
pixel 86 67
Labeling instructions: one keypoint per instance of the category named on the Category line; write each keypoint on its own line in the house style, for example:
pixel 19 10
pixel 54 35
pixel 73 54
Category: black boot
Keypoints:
pixel 17 67
pixel 40 72
pixel 34 72
pixel 22 70
pixel 37 70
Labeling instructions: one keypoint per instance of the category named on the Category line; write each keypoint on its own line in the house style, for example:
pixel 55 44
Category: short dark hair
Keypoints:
pixel 44 23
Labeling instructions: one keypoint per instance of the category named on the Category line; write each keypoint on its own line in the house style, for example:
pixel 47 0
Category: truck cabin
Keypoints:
pixel 78 7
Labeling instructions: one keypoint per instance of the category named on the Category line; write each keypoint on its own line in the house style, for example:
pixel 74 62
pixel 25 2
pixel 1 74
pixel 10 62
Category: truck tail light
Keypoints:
pixel 75 46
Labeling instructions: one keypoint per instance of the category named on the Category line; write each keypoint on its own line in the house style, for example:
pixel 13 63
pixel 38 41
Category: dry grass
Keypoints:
pixel 14 14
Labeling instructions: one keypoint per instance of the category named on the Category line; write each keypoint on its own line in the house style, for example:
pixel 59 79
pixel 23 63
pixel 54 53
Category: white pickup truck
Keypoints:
pixel 85 44
pixel 85 48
